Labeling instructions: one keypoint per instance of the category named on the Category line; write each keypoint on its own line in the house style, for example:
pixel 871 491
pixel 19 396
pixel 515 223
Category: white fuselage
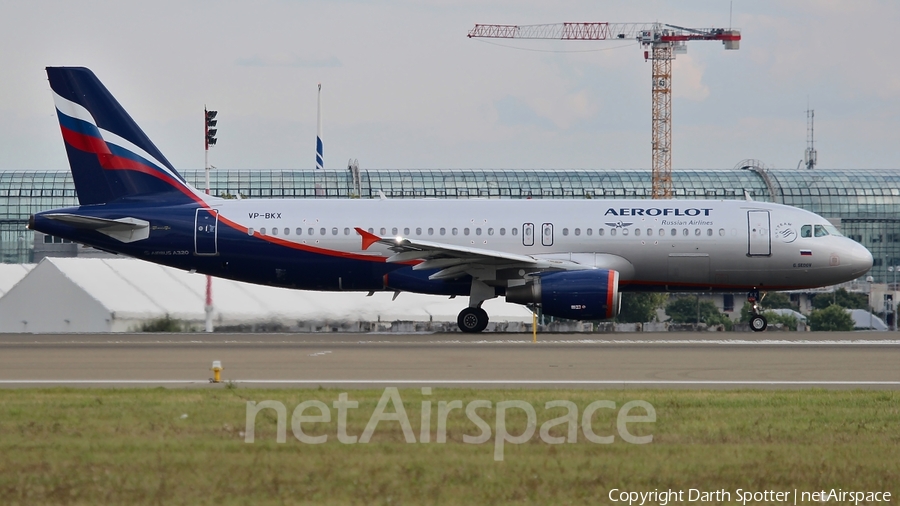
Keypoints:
pixel 673 244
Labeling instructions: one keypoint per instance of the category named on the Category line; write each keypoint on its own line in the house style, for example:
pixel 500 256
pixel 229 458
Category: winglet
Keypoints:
pixel 368 239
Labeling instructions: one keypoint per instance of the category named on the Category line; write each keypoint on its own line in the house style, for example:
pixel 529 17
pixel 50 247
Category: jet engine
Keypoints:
pixel 575 295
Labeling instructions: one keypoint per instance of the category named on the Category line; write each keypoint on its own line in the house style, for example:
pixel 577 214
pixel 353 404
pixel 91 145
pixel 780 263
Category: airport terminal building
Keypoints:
pixel 863 204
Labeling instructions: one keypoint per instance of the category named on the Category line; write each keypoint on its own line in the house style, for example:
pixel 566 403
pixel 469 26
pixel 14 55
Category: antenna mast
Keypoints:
pixel 809 158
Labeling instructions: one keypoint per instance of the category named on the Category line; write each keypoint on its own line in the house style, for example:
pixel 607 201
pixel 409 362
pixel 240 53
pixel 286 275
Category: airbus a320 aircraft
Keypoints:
pixel 573 257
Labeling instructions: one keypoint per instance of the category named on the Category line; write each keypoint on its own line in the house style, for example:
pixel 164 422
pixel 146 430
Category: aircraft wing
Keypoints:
pixel 122 229
pixel 454 261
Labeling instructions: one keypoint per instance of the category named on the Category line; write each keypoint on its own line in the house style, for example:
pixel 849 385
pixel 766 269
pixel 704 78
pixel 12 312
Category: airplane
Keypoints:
pixel 573 258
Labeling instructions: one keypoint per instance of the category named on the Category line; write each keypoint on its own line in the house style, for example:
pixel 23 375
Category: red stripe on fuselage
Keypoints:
pixel 305 247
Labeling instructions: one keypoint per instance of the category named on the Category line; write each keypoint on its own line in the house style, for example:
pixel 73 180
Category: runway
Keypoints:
pixel 640 360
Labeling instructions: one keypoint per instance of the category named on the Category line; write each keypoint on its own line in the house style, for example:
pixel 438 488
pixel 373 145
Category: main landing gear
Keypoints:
pixel 474 319
pixel 758 322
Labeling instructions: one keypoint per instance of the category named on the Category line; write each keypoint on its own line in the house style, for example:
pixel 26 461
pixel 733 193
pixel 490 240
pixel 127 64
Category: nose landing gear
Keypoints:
pixel 758 322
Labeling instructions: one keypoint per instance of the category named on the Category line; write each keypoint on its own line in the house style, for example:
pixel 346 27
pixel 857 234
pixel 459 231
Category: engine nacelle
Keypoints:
pixel 576 295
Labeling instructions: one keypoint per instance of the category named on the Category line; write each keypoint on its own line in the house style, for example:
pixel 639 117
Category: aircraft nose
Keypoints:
pixel 858 258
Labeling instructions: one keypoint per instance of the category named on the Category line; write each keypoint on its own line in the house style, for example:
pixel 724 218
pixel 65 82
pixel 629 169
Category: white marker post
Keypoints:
pixel 320 160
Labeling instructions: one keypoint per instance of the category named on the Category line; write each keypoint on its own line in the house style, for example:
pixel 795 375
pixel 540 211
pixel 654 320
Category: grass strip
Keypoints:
pixel 171 446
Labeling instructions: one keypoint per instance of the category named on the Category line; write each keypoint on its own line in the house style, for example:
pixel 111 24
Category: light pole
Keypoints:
pixel 209 139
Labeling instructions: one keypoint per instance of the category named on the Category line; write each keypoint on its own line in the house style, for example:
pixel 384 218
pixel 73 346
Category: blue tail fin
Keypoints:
pixel 110 156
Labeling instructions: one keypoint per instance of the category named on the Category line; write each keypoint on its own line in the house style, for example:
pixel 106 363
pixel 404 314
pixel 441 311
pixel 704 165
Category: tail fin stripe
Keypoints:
pixel 77 118
pixel 73 109
pixel 84 142
pixel 111 161
pixel 124 147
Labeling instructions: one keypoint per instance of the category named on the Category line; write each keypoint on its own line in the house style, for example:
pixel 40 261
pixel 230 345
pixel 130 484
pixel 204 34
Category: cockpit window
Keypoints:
pixel 819 231
pixel 833 231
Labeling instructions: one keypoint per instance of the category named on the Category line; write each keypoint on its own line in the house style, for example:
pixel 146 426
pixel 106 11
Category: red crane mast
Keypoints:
pixel 664 42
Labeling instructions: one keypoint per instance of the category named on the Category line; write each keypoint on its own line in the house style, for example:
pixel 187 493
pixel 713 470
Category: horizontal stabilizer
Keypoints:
pixel 122 229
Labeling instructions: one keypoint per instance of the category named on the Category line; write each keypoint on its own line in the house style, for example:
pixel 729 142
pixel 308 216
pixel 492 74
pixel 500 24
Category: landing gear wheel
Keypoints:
pixel 758 323
pixel 472 319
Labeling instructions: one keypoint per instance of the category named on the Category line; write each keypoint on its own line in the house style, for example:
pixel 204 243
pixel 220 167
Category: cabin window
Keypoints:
pixel 287 231
pixel 334 231
pixel 310 231
pixel 406 231
pixel 250 231
pixel 709 232
pixel 600 231
pixel 589 231
pixel 418 230
pixel 443 231
pixel 346 230
pixel 383 231
pixel 299 231
pixel 466 231
pixel 612 231
pixel 514 231
pixel 806 231
pixel 684 232
pixel 502 231
pixel 430 231
pixel 478 231
pixel 649 232
pixel 262 231
pixel 674 232
pixel 394 231
pixel 721 232
pixel 454 231
pixel 490 231
pixel 371 230
pixel 697 231
pixel 322 231
pixel 637 232
pixel 565 231
pixel 577 231
pixel 274 231
pixel 624 231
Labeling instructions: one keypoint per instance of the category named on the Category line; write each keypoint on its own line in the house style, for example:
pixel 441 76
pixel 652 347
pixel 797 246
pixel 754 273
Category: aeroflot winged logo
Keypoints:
pixel 657 211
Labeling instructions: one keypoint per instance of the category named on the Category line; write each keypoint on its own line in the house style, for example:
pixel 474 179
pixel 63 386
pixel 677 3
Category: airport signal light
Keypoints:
pixel 210 131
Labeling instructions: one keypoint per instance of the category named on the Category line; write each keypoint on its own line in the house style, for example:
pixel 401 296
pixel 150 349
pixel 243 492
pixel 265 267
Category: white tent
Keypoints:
pixel 863 319
pixel 117 295
pixel 789 312
pixel 10 274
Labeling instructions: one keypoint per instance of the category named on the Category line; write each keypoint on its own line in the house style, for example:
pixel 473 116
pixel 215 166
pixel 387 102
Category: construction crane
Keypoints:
pixel 664 42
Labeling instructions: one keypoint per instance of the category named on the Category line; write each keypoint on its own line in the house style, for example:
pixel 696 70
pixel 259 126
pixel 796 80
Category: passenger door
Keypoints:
pixel 759 230
pixel 206 232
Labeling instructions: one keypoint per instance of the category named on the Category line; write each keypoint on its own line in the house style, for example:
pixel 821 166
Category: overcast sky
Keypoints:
pixel 404 88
